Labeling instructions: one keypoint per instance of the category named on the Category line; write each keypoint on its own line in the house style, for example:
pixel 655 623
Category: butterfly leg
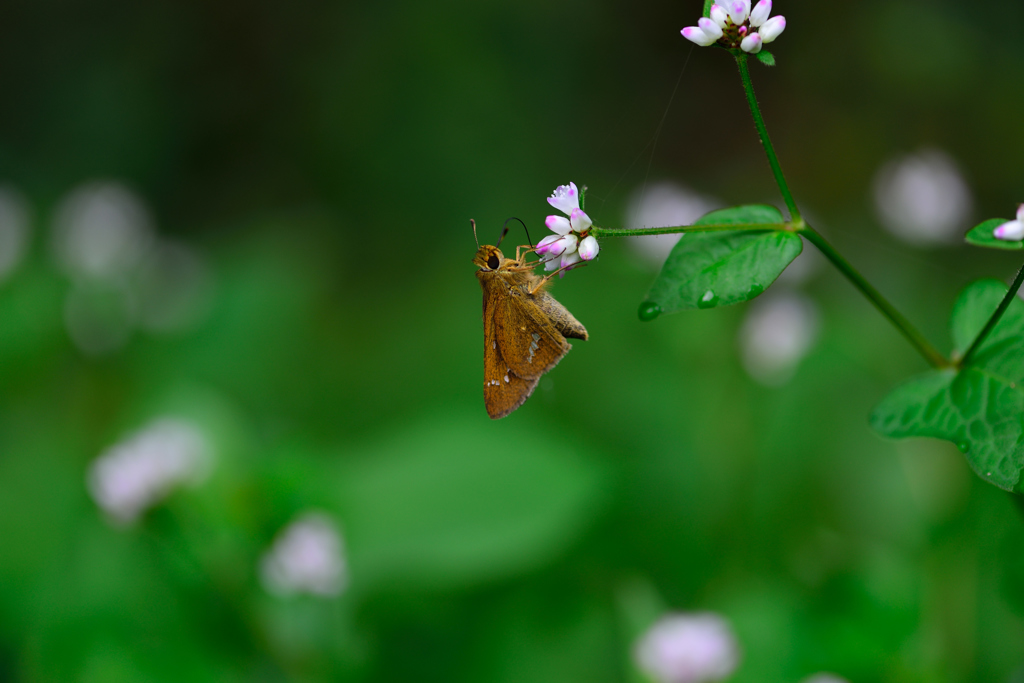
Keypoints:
pixel 528 248
pixel 543 280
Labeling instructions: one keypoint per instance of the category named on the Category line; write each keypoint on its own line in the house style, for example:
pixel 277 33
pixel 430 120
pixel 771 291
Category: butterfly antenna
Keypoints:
pixel 473 223
pixel 505 231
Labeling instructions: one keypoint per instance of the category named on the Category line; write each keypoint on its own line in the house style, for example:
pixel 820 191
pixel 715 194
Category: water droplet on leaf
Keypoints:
pixel 963 446
pixel 708 300
pixel 649 311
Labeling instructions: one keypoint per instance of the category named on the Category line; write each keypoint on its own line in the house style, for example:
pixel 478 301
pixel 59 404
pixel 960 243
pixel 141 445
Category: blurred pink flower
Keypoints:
pixel 688 648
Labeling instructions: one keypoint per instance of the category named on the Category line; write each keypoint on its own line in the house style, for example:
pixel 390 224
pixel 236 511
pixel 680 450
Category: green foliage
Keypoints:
pixel 979 407
pixel 981 236
pixel 707 7
pixel 980 413
pixel 718 268
pixel 467 514
pixel 766 58
pixel 972 310
pixel 342 340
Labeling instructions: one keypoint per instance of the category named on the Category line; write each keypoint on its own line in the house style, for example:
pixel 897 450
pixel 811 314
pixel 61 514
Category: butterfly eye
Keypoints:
pixel 492 262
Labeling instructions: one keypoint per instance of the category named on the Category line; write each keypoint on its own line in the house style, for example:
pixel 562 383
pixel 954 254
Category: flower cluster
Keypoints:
pixel 1012 231
pixel 572 241
pixel 734 24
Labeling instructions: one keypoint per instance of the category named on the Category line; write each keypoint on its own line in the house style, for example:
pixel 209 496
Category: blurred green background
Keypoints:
pixel 303 297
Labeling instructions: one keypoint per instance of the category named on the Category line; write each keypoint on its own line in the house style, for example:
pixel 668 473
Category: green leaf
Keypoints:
pixel 981 236
pixel 971 312
pixel 766 58
pixel 707 7
pixel 979 412
pixel 708 269
pixel 981 407
pixel 446 503
pixel 748 213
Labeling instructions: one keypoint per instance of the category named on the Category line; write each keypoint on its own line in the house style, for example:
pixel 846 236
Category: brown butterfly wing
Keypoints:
pixel 504 391
pixel 564 321
pixel 527 338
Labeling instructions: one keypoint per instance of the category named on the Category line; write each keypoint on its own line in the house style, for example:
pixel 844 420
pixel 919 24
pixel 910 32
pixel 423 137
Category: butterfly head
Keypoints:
pixel 488 257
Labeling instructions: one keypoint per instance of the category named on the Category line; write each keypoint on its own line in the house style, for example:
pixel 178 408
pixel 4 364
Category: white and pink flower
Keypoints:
pixel 306 557
pixel 733 23
pixel 572 241
pixel 688 648
pixel 1011 231
pixel 146 467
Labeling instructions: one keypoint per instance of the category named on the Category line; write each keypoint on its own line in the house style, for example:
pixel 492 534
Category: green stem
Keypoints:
pixel 916 339
pixel 629 232
pixel 994 320
pixel 762 132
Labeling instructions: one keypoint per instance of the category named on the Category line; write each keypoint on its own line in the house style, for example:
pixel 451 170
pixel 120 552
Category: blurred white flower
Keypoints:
pixel 14 230
pixel 779 329
pixel 306 557
pixel 923 199
pixel 174 288
pixel 824 678
pixel 664 205
pixel 124 275
pixel 688 648
pixel 102 230
pixel 135 474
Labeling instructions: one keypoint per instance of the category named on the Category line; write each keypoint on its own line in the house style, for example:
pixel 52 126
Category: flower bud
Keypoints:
pixel 760 13
pixel 772 29
pixel 738 10
pixel 719 16
pixel 695 35
pixel 588 248
pixel 709 27
pixel 544 246
pixel 560 244
pixel 1011 232
pixel 558 224
pixel 580 221
pixel 569 259
pixel 751 44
